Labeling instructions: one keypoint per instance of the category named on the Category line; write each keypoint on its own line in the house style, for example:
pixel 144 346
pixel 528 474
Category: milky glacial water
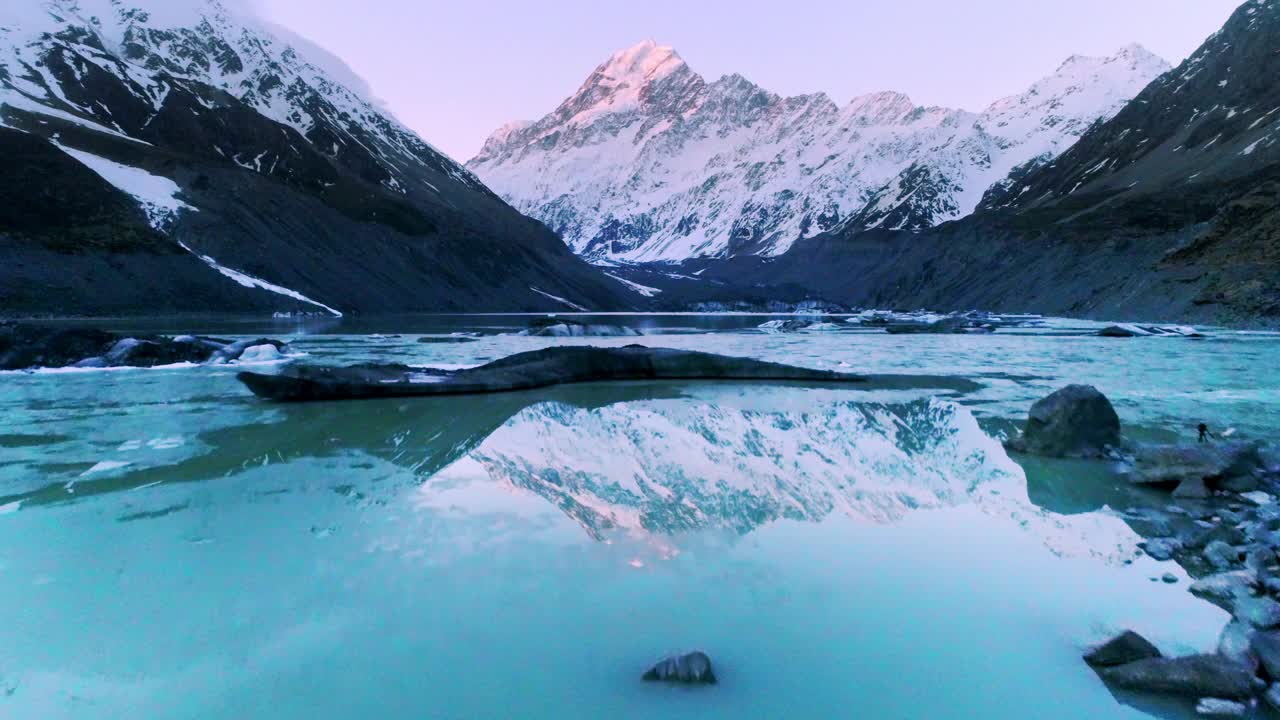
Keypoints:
pixel 172 547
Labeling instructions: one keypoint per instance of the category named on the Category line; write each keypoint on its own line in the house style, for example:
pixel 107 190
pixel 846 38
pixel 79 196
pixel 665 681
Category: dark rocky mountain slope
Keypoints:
pixel 1169 210
pixel 177 156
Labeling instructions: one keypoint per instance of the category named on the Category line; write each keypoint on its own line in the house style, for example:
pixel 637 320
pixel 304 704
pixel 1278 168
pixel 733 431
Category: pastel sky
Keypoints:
pixel 454 70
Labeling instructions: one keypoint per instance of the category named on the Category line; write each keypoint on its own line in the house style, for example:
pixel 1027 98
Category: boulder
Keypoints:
pixel 1236 643
pixel 1076 421
pixel 234 351
pixel 1272 696
pixel 1192 488
pixel 1211 462
pixel 1121 331
pixel 1221 555
pixel 1196 676
pixel 1161 548
pixel 689 669
pixel 1126 647
pixel 1266 645
pixel 1260 612
pixel 161 351
pixel 1225 589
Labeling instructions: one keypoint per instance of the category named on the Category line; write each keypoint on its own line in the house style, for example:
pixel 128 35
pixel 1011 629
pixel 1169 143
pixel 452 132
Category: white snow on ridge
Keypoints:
pixel 644 290
pixel 156 194
pixel 559 299
pixel 649 162
pixel 250 281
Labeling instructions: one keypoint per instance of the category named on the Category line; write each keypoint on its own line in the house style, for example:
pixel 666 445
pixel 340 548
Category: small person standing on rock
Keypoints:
pixel 1204 432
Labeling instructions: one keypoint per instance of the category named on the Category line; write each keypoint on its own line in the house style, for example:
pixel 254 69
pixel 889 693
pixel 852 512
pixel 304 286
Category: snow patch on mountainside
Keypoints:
pixel 154 45
pixel 649 162
pixel 249 281
pixel 157 195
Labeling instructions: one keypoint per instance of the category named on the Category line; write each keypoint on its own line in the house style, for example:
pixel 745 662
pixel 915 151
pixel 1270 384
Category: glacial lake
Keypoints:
pixel 172 547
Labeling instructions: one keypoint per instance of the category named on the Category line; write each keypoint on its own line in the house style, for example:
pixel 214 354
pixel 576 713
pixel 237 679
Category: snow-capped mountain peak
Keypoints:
pixel 649 162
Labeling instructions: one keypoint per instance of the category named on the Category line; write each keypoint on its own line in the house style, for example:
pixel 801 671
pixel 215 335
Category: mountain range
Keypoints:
pixel 648 161
pixel 1170 209
pixel 177 155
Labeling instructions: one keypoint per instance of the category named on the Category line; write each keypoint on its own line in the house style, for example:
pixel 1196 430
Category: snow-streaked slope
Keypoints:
pixel 155 45
pixel 649 162
pixel 301 178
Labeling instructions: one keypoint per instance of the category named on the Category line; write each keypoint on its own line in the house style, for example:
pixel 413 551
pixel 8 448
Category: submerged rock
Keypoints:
pixel 1196 676
pixel 1076 421
pixel 689 669
pixel 1124 648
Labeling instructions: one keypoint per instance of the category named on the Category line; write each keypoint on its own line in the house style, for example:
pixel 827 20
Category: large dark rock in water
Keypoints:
pixel 1217 461
pixel 525 371
pixel 24 346
pixel 1124 648
pixel 689 669
pixel 1076 421
pixel 1194 676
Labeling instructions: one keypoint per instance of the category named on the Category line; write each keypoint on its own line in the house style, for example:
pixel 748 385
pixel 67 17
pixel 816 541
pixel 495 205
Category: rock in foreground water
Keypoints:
pixel 1124 648
pixel 1076 421
pixel 525 371
pixel 1196 676
pixel 689 669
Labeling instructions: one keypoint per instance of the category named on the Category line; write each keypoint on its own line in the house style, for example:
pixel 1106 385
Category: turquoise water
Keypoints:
pixel 171 547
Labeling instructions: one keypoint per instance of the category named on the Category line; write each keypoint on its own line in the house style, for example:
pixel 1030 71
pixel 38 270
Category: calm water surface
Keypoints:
pixel 171 547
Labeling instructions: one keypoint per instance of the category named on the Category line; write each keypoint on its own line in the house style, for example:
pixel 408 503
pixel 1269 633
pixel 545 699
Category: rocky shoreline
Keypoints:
pixel 26 346
pixel 1221 522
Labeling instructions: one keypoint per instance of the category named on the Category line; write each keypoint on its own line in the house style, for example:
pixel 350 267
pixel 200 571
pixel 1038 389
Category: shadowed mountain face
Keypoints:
pixel 272 171
pixel 1169 210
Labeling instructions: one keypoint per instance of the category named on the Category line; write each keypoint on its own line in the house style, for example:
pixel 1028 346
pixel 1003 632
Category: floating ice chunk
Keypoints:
pixel 259 354
pixel 105 466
